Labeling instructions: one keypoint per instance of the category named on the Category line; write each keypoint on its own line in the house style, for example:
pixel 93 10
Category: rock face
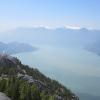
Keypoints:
pixel 6 60
pixel 3 96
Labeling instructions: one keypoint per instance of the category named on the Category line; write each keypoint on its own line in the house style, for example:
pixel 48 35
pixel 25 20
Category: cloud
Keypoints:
pixel 72 27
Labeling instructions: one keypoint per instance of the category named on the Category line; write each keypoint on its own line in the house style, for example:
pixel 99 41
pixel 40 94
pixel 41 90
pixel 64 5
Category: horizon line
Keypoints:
pixel 70 27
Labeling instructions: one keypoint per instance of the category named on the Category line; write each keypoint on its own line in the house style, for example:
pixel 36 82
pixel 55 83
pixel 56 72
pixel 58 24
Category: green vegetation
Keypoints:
pixel 20 82
pixel 18 89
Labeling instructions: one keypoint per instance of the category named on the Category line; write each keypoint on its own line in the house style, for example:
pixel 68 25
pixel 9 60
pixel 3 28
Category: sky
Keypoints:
pixel 49 13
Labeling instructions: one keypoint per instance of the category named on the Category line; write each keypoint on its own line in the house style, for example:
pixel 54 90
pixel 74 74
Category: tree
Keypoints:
pixel 2 85
pixel 35 95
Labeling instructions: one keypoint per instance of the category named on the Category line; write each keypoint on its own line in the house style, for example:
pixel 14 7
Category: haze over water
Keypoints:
pixel 75 67
pixel 67 35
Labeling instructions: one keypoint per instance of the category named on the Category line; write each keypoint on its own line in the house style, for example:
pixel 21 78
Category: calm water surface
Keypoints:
pixel 75 67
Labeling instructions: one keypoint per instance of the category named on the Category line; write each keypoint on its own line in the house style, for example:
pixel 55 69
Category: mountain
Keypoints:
pixel 58 36
pixel 95 47
pixel 15 47
pixel 20 82
pixel 87 39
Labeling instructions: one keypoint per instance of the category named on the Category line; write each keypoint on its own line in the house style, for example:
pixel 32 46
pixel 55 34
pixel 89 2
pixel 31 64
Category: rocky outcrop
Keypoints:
pixel 3 96
pixel 6 60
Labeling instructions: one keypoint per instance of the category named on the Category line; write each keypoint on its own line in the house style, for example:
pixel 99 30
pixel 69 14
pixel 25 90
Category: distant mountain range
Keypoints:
pixel 59 36
pixel 15 47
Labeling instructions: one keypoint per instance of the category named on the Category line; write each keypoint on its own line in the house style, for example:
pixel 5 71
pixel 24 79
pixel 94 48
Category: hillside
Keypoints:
pixel 20 82
pixel 15 47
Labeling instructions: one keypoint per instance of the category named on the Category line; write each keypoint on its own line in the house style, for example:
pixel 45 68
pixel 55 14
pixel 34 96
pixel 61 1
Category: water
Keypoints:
pixel 75 67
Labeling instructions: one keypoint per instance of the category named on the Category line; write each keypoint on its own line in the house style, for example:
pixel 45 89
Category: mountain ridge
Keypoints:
pixel 61 36
pixel 13 70
pixel 15 47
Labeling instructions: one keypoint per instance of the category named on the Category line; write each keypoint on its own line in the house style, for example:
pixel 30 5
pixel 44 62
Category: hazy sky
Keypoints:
pixel 53 13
